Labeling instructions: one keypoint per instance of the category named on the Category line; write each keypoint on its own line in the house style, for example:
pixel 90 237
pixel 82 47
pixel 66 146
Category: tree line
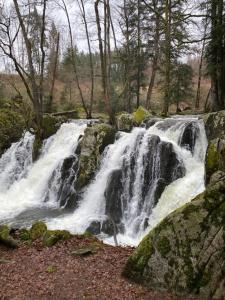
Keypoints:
pixel 131 37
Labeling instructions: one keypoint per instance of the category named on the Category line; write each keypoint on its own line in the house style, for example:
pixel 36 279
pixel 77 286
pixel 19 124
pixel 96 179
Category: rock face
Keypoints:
pixel 96 139
pixel 186 252
pixel 215 125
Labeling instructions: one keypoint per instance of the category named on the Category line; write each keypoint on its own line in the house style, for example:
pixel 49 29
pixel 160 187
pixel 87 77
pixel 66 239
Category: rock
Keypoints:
pixel 125 122
pixel 37 230
pixel 185 253
pixel 12 126
pixel 94 228
pixel 24 234
pixel 149 122
pixel 215 157
pixel 189 136
pixel 113 196
pixel 5 237
pixel 217 176
pixel 140 115
pixel 50 125
pixel 96 139
pixel 215 125
pixel 84 251
pixel 4 261
pixel 51 237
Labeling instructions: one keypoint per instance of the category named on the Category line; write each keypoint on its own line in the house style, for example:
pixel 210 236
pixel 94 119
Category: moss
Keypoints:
pixel 212 159
pixel 37 230
pixel 24 234
pixel 125 122
pixel 140 115
pixel 136 264
pixel 189 209
pixel 51 269
pixel 12 126
pixel 163 246
pixel 36 148
pixel 50 125
pixel 4 231
pixel 51 237
pixel 5 237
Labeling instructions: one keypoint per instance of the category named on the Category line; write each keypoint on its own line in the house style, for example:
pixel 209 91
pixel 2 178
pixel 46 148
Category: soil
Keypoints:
pixel 34 272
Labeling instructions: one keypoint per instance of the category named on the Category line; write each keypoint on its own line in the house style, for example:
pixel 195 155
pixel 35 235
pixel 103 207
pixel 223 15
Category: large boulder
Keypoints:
pixel 96 139
pixel 185 253
pixel 5 237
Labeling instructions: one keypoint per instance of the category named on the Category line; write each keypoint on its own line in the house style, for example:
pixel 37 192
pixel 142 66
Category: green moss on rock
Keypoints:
pixel 50 125
pixel 37 230
pixel 5 237
pixel 125 122
pixel 24 234
pixel 12 126
pixel 179 254
pixel 96 139
pixel 51 237
pixel 163 246
pixel 140 115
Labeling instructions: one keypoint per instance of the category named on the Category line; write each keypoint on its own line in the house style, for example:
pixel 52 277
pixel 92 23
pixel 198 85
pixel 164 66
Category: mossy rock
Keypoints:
pixel 50 125
pixel 96 139
pixel 24 234
pixel 5 237
pixel 38 230
pixel 185 252
pixel 51 237
pixel 12 126
pixel 125 122
pixel 140 115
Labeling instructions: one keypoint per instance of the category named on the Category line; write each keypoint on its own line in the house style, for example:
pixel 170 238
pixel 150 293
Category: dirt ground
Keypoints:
pixel 35 272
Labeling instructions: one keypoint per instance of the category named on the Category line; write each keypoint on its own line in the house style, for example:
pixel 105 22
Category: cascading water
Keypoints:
pixel 144 176
pixel 38 184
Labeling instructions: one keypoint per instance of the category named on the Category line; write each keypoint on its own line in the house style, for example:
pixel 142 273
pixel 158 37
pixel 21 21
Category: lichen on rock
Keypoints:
pixel 125 122
pixel 186 251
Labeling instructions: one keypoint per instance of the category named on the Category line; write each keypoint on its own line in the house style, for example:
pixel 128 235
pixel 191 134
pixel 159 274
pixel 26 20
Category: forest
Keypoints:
pixel 112 149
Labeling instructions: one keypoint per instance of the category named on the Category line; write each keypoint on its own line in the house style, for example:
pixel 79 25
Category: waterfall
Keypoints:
pixel 36 185
pixel 144 176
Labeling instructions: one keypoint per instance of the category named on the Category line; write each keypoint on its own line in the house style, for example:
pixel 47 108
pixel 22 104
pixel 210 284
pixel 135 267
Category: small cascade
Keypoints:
pixel 144 176
pixel 38 184
pixel 15 162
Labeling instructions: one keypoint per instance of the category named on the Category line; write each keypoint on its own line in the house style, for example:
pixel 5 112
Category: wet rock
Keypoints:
pixel 149 122
pixel 189 136
pixel 185 252
pixel 94 228
pixel 96 139
pixel 113 196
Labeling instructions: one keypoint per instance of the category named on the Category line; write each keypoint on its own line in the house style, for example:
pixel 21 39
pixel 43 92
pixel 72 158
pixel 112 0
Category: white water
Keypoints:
pixel 28 190
pixel 92 207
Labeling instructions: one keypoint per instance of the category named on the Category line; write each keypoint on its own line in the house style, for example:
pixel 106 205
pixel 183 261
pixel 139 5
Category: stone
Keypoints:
pixel 6 239
pixel 84 251
pixel 37 230
pixel 185 253
pixel 51 237
pixel 96 139
pixel 125 122
pixel 215 125
pixel 189 136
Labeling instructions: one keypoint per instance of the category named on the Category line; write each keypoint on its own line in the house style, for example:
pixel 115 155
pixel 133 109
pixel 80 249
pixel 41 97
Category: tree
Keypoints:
pixel 216 57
